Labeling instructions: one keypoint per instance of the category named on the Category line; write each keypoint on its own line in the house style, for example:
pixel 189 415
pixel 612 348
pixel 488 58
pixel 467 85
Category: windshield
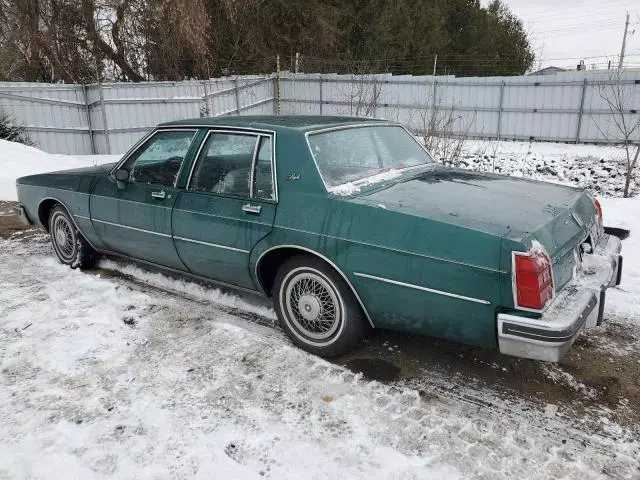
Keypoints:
pixel 352 157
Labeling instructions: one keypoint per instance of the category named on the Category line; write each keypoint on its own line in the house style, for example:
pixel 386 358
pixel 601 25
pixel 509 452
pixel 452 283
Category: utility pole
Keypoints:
pixel 277 95
pixel 624 43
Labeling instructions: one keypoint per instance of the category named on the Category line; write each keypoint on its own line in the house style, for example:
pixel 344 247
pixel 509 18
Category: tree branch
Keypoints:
pixel 117 56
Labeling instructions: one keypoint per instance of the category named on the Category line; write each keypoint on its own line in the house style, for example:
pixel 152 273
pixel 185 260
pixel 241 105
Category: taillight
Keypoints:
pixel 533 281
pixel 596 203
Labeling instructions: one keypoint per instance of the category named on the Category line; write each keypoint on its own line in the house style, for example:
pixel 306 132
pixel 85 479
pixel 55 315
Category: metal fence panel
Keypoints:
pixel 108 118
pixel 54 115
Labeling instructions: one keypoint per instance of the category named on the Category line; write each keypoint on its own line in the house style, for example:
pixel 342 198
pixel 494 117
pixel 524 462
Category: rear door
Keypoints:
pixel 136 220
pixel 228 205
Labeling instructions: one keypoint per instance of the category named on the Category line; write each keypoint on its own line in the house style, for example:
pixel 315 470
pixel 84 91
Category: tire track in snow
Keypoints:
pixel 476 400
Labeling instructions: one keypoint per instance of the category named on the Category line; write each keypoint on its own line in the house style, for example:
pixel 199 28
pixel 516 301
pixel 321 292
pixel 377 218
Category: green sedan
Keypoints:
pixel 348 224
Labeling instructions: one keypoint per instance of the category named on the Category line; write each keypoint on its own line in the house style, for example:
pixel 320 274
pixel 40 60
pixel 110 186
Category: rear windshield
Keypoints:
pixel 365 155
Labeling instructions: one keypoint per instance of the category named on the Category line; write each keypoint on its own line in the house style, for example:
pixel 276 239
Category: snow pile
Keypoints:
pixel 351 188
pixel 18 160
pixel 600 169
pixel 555 373
pixel 193 290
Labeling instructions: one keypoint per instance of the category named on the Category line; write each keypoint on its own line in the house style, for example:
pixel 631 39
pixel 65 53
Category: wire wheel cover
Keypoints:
pixel 312 305
pixel 63 237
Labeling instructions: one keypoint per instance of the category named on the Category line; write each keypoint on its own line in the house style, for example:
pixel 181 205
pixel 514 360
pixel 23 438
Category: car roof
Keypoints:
pixel 303 123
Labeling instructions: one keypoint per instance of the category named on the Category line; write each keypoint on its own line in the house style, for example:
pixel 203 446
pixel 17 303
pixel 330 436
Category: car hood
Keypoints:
pixel 65 176
pixel 97 169
pixel 496 204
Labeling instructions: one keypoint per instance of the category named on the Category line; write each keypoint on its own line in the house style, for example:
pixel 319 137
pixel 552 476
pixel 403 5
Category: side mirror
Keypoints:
pixel 122 175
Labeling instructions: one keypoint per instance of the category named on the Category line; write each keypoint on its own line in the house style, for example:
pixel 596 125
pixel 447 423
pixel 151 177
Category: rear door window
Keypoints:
pixel 235 165
pixel 224 165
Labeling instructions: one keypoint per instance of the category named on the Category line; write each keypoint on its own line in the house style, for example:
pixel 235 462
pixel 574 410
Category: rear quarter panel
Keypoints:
pixel 363 239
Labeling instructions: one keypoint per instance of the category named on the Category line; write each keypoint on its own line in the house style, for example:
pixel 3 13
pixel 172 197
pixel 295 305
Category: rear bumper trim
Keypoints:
pixel 549 334
pixel 549 337
pixel 577 306
pixel 603 297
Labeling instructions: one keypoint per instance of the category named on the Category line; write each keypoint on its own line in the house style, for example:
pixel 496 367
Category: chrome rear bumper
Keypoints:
pixel 578 306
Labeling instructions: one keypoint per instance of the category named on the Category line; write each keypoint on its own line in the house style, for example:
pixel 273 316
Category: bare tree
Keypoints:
pixel 443 132
pixel 80 40
pixel 624 127
pixel 40 41
pixel 364 95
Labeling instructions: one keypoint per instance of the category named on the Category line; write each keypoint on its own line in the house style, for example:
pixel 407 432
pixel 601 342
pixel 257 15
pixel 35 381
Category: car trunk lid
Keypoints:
pixel 522 210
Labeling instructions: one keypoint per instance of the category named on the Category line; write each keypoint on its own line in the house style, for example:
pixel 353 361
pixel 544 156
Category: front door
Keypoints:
pixel 136 220
pixel 228 206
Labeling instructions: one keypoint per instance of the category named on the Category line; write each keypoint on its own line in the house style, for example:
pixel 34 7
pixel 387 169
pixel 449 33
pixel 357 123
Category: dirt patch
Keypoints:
pixel 598 373
pixel 374 368
pixel 11 226
pixel 10 223
pixel 613 374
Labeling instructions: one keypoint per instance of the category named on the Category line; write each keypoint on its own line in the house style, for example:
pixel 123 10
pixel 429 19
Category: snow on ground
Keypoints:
pixel 625 300
pixel 191 289
pixel 99 381
pixel 18 160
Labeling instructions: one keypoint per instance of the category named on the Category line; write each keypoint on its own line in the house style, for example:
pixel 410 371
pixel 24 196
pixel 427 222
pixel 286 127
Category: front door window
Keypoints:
pixel 158 161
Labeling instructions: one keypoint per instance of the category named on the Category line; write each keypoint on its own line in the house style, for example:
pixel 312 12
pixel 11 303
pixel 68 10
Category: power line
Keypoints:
pixel 582 26
pixel 593 8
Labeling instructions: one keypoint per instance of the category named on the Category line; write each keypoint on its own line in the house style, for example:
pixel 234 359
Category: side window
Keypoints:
pixel 224 164
pixel 263 177
pixel 158 160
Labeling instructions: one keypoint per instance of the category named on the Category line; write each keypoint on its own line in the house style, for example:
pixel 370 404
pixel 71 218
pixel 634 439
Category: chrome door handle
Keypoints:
pixel 248 208
pixel 159 194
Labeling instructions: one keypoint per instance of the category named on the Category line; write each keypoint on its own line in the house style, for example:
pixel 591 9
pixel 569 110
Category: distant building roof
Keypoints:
pixel 549 71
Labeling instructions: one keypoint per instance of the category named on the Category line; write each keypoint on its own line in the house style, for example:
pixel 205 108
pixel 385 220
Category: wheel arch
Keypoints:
pixel 270 260
pixel 44 211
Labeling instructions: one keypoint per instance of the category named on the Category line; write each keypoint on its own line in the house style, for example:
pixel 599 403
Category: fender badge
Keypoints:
pixel 293 176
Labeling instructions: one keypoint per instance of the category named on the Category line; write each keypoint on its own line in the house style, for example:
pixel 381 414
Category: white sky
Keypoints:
pixel 565 31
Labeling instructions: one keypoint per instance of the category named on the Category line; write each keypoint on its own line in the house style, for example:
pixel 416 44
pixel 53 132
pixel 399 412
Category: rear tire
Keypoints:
pixel 316 308
pixel 70 246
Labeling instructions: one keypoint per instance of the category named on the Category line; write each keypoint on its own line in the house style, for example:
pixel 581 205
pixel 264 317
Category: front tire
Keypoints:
pixel 316 308
pixel 70 246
